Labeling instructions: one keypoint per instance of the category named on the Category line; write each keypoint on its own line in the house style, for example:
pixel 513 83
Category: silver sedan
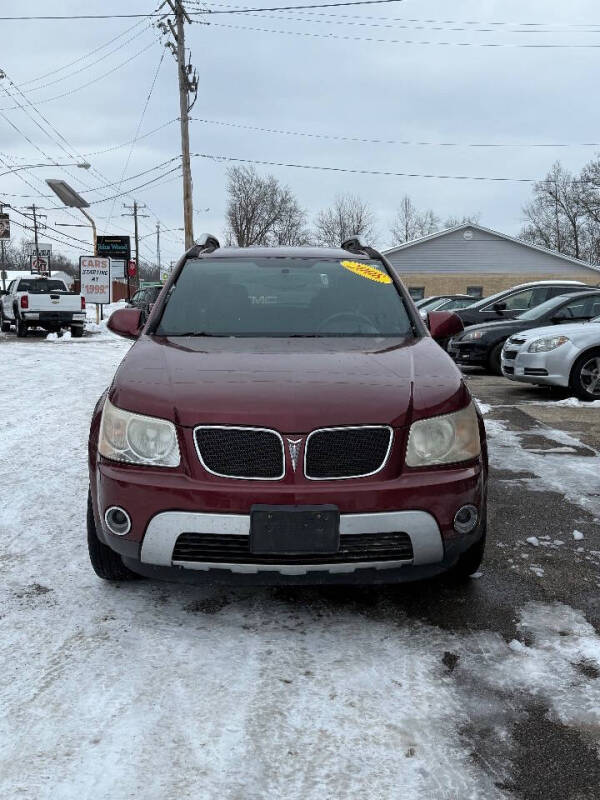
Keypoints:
pixel 565 355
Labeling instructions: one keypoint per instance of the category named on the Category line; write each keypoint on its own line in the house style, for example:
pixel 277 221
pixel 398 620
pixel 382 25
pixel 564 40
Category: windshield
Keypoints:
pixel 41 286
pixel 284 297
pixel 542 309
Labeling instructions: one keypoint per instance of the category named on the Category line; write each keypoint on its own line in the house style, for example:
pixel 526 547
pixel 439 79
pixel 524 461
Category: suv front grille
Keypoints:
pixel 230 452
pixel 347 452
pixel 234 549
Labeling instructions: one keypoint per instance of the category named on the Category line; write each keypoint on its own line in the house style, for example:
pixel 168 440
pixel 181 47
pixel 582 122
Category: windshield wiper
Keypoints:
pixel 194 333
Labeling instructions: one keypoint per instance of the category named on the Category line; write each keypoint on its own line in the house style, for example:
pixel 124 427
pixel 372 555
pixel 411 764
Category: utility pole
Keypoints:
pixel 3 251
pixel 188 85
pixel 158 247
pixel 35 217
pixel 134 212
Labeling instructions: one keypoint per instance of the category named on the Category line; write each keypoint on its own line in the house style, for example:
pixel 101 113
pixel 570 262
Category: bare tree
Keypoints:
pixel 410 223
pixel 557 216
pixel 348 216
pixel 469 219
pixel 260 211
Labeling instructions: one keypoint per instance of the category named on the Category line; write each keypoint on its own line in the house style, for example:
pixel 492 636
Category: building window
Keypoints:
pixel 416 292
pixel 475 291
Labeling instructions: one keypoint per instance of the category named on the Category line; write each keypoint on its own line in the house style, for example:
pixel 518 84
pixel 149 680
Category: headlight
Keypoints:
pixel 471 336
pixel 545 345
pixel 444 440
pixel 136 439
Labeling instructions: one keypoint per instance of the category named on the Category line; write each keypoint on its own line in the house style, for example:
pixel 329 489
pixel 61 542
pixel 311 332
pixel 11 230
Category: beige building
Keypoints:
pixel 470 259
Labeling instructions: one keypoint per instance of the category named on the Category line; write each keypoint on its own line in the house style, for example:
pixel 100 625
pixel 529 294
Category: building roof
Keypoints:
pixel 466 225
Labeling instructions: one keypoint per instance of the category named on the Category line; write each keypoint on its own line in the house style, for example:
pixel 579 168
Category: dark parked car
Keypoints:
pixel 450 303
pixel 145 297
pixel 277 421
pixel 512 302
pixel 481 345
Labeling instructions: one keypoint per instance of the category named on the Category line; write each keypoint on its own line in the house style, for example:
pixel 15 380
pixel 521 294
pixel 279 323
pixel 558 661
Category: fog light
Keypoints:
pixel 466 519
pixel 117 521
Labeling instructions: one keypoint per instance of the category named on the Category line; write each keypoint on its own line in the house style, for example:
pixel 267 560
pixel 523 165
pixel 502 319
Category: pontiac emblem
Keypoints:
pixel 294 447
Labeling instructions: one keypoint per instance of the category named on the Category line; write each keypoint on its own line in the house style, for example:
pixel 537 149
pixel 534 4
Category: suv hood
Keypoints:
pixel 292 385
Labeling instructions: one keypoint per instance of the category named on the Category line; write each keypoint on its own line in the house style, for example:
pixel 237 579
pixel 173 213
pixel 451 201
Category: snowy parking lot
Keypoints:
pixel 167 692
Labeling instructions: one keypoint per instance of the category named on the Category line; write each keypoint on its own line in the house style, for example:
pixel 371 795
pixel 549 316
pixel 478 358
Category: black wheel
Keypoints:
pixel 106 563
pixel 4 324
pixel 21 328
pixel 585 376
pixel 76 331
pixel 470 561
pixel 495 359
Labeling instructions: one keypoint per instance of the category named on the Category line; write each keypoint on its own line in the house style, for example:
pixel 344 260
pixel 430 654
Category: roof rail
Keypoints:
pixel 206 243
pixel 354 245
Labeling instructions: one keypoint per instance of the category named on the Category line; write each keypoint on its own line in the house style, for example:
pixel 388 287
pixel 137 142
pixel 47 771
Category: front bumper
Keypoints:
pixel 549 369
pixel 163 506
pixel 469 353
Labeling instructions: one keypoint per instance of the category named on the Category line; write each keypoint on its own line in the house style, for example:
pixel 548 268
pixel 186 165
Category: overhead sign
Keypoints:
pixel 43 249
pixel 40 264
pixel 4 226
pixel 118 247
pixel 94 274
pixel 117 270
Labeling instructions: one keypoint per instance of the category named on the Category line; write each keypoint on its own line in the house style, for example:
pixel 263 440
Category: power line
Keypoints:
pixel 88 66
pixel 70 17
pixel 408 142
pixel 89 83
pixel 558 27
pixel 81 58
pixel 386 173
pixel 131 141
pixel 375 40
pixel 139 125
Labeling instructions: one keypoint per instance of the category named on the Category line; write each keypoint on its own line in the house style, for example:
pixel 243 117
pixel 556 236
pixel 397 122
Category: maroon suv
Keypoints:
pixel 285 416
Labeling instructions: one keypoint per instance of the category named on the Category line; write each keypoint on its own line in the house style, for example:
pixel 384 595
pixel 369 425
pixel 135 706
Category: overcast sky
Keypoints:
pixel 340 87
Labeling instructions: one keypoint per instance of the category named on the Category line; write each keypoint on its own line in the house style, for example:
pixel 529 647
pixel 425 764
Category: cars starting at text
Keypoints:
pixel 285 416
pixel 567 356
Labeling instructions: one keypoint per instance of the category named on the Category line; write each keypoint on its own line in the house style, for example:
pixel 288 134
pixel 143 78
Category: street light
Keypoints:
pixel 80 164
pixel 70 198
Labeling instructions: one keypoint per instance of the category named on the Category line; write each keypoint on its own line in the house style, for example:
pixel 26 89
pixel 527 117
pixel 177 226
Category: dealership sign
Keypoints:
pixel 118 247
pixel 95 279
pixel 43 249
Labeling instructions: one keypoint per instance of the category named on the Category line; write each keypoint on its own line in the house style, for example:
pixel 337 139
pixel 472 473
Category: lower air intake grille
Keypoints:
pixel 217 548
pixel 347 452
pixel 240 452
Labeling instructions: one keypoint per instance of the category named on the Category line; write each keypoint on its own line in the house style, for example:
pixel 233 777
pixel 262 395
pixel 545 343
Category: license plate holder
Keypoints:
pixel 294 530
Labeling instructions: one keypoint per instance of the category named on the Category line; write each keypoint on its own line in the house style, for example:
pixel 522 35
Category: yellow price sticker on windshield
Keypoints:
pixel 366 271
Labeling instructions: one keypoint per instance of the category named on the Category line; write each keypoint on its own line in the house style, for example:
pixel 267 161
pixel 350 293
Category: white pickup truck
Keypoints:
pixel 41 302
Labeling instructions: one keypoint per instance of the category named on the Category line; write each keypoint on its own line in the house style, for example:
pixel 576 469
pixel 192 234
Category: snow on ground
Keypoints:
pixel 571 402
pixel 167 692
pixel 577 477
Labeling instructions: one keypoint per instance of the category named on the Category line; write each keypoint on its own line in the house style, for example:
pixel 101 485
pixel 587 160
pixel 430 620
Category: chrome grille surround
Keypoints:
pixel 318 431
pixel 245 429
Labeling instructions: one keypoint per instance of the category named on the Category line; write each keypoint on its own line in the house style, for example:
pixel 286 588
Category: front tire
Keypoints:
pixel 470 561
pixel 4 324
pixel 106 563
pixel 585 376
pixel 21 327
pixel 76 331
pixel 495 359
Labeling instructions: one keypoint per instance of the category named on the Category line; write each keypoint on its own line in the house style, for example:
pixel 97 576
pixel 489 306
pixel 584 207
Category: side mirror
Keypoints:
pixel 499 307
pixel 126 322
pixel 444 324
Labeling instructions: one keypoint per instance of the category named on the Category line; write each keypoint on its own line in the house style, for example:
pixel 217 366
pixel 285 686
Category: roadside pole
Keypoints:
pixel 135 213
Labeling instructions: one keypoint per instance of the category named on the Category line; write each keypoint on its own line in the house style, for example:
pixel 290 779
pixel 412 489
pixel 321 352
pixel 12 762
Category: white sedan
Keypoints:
pixel 567 356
